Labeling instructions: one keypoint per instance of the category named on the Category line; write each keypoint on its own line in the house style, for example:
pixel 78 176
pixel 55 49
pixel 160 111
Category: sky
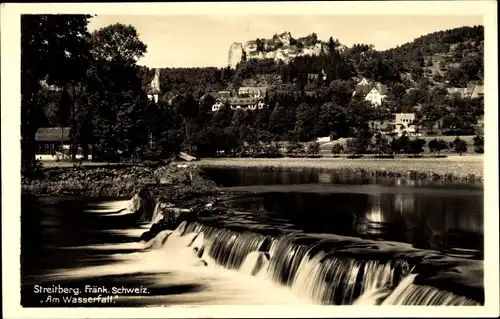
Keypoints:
pixel 204 40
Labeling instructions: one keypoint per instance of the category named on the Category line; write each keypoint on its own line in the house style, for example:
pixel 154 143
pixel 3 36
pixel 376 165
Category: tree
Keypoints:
pixel 313 148
pixel 119 121
pixel 118 43
pixel 433 145
pixel 478 144
pixel 436 145
pixel 304 123
pixel 417 146
pixel 359 143
pixel 381 144
pixel 459 145
pixel 337 148
pixel 51 47
pixel 400 144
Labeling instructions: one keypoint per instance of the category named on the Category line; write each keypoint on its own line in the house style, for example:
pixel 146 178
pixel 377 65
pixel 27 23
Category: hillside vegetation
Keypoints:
pixel 309 96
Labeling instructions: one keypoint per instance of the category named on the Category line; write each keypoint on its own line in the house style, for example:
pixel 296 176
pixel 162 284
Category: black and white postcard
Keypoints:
pixel 250 159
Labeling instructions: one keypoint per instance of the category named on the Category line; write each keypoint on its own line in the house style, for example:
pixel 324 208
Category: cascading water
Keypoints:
pixel 227 248
pixel 311 269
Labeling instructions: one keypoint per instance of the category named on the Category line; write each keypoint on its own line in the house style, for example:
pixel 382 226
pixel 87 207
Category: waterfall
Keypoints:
pixel 157 214
pixel 159 240
pixel 226 247
pixel 324 270
pixel 327 279
pixel 409 294
pixel 286 256
pixel 254 263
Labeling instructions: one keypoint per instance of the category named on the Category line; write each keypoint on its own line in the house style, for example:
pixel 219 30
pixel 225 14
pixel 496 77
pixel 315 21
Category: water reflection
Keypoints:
pixel 228 177
pixel 446 223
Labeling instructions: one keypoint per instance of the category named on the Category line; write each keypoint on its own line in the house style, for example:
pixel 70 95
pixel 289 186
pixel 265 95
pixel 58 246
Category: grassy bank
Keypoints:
pixel 453 168
pixel 118 181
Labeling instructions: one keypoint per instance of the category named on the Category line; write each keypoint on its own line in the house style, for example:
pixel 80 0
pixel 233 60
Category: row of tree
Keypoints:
pixel 381 145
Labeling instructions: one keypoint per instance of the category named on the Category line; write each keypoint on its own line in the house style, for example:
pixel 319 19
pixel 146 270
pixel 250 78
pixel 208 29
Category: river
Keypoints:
pixel 301 237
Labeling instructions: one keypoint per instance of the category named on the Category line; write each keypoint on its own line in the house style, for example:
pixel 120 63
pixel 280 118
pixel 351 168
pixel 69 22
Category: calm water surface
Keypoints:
pixel 437 216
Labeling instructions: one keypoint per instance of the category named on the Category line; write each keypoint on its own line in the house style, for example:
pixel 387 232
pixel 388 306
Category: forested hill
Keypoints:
pixel 441 42
pixel 460 50
pixel 452 57
pixel 309 96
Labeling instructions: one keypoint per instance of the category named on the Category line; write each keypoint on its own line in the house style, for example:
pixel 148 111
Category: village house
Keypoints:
pixel 224 94
pixel 477 91
pixel 404 122
pixel 250 103
pixel 470 92
pixel 252 91
pixel 49 141
pixel 374 93
pixel 381 126
pixel 311 77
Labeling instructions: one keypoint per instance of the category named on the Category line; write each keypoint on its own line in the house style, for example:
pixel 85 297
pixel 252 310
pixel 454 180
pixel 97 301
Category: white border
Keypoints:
pixel 10 54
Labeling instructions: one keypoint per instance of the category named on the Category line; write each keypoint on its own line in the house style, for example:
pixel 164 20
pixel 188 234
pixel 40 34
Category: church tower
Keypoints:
pixel 154 87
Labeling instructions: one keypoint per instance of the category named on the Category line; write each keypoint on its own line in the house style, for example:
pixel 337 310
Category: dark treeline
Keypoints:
pixel 101 92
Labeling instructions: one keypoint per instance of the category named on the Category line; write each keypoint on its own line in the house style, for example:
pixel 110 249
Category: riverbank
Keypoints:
pixel 175 180
pixel 452 168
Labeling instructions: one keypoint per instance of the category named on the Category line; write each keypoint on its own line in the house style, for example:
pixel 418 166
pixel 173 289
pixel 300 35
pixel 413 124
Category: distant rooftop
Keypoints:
pixel 52 134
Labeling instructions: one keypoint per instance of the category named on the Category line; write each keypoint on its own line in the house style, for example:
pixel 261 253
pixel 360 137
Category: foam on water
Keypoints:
pixel 222 266
pixel 172 260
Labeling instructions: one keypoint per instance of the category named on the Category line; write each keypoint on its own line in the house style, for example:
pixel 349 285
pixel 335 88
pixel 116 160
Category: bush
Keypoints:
pixel 416 146
pixel 479 144
pixel 459 145
pixel 337 149
pixel 313 148
pixel 436 145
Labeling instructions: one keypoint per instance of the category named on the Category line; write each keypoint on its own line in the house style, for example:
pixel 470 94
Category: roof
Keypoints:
pixel 478 90
pixel 212 94
pixel 363 89
pixel 462 91
pixel 253 89
pixel 52 134
pixel 239 100
pixel 381 88
pixel 242 101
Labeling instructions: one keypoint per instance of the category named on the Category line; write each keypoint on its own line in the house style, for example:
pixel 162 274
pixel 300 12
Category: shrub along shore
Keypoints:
pixel 452 169
pixel 180 180
pixel 175 181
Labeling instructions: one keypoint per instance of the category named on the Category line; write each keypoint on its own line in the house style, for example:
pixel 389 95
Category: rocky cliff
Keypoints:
pixel 280 47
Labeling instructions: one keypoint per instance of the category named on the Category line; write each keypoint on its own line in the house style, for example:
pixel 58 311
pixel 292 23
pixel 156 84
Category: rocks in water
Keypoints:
pixel 147 236
pixel 141 206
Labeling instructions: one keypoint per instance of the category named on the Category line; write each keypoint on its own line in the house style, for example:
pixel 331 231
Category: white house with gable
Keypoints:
pixel 374 93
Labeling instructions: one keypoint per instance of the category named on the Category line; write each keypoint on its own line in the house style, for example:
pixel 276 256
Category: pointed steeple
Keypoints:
pixel 154 86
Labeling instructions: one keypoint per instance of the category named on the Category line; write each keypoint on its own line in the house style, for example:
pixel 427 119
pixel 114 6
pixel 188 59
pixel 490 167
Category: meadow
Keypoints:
pixel 452 168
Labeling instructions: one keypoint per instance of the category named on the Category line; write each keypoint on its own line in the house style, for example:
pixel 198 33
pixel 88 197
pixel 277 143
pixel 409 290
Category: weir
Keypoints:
pixel 325 269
